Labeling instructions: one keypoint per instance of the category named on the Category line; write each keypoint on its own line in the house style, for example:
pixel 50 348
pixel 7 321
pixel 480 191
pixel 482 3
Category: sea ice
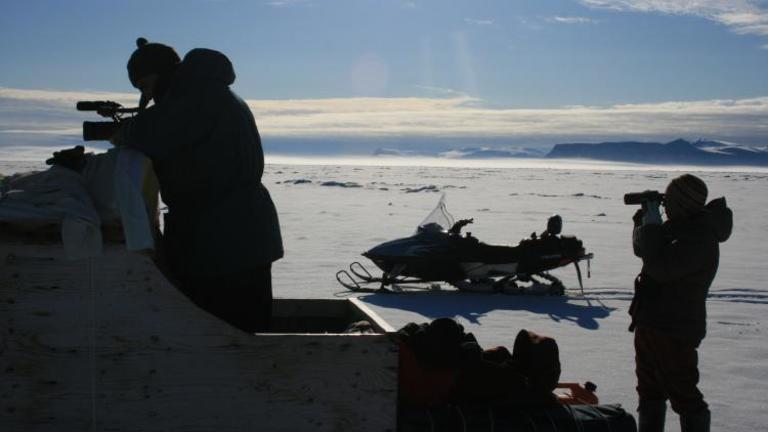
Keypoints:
pixel 325 228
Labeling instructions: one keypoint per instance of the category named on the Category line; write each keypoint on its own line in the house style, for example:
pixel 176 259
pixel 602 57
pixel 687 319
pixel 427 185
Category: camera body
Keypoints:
pixel 641 198
pixel 99 131
pixel 103 131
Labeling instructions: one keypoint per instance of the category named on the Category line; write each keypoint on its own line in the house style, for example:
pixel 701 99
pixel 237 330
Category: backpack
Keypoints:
pixel 440 363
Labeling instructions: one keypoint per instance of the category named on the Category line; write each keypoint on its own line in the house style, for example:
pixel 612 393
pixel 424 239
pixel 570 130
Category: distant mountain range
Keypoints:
pixel 679 151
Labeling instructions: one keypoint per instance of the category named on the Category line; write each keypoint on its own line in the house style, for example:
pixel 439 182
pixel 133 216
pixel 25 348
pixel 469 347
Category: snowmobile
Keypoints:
pixel 434 254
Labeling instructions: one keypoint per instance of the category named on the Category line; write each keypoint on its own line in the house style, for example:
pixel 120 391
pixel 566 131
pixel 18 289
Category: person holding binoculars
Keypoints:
pixel 680 259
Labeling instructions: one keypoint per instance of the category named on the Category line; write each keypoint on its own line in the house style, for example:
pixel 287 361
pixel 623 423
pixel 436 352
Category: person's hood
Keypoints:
pixel 720 218
pixel 715 220
pixel 202 64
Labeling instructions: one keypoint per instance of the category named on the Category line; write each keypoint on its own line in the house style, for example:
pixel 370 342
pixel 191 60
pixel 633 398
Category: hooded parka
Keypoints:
pixel 680 260
pixel 206 151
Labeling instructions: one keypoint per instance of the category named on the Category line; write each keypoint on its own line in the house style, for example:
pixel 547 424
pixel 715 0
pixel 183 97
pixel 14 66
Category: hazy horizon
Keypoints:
pixel 37 162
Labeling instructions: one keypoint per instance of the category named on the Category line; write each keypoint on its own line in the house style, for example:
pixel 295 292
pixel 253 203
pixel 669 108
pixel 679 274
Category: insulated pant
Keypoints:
pixel 242 299
pixel 667 368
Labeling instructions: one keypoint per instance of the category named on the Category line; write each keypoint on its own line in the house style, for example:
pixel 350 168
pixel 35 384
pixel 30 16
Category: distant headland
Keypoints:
pixel 677 152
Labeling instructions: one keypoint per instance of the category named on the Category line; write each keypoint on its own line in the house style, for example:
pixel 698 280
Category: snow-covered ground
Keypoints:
pixel 327 227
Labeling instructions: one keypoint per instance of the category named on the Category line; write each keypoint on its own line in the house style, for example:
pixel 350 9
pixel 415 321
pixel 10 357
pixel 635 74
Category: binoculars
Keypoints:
pixel 640 198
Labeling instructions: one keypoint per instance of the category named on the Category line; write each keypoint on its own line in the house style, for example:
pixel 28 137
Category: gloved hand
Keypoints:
pixel 637 218
pixel 73 158
pixel 118 139
pixel 651 213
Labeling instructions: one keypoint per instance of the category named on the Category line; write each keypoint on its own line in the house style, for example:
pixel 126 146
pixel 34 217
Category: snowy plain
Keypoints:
pixel 366 202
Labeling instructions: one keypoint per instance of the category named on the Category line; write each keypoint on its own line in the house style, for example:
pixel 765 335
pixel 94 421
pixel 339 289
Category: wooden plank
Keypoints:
pixel 328 308
pixel 280 383
pixel 109 344
pixel 43 318
pixel 366 313
pixel 41 232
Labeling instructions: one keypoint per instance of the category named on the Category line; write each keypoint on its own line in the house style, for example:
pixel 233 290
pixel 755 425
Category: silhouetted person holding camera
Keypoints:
pixel 680 260
pixel 221 230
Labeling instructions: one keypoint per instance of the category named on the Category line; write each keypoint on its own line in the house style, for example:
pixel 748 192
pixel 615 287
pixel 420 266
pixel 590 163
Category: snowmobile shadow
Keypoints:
pixel 473 307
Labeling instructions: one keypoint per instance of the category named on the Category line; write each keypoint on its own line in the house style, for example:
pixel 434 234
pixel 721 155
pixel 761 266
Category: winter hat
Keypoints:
pixel 151 58
pixel 685 196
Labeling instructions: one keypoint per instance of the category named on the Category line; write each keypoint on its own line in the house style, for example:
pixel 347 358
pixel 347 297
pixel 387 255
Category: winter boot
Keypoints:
pixel 696 422
pixel 651 415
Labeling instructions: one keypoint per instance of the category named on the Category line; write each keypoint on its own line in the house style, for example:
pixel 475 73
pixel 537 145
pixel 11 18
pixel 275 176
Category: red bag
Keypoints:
pixel 422 386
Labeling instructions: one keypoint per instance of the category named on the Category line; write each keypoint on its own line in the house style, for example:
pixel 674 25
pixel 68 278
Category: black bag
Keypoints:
pixel 516 418
pixel 528 375
pixel 538 358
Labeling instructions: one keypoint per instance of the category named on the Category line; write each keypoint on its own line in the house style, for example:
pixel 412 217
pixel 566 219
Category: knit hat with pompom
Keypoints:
pixel 685 196
pixel 151 58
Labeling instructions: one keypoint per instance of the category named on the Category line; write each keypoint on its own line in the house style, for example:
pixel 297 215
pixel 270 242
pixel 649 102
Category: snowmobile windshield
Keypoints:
pixel 438 219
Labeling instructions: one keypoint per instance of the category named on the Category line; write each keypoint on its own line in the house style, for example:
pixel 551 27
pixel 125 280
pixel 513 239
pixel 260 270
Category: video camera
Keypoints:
pixel 103 131
pixel 641 198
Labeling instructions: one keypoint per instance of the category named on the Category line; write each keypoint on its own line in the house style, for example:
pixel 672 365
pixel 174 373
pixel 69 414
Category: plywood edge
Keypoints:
pixel 48 232
pixel 373 317
pixel 289 307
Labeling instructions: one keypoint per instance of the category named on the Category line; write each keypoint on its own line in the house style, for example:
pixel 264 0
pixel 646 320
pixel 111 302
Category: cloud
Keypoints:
pixel 52 111
pixel 465 116
pixel 66 97
pixel 441 91
pixel 571 20
pixel 532 24
pixel 286 3
pixel 30 116
pixel 479 22
pixel 743 16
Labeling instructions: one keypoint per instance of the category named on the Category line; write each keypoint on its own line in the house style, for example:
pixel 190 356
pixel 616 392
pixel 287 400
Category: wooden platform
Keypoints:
pixel 109 344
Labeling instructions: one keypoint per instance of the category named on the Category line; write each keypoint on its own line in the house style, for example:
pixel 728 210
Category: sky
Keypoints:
pixel 352 75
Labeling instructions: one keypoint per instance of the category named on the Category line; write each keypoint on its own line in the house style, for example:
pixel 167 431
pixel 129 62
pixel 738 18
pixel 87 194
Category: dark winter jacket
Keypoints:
pixel 206 151
pixel 680 260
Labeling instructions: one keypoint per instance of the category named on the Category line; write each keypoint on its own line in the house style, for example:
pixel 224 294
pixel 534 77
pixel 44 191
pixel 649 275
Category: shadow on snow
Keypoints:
pixel 473 307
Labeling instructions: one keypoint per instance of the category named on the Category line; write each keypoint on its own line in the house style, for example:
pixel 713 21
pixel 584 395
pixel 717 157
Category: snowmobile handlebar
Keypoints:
pixel 456 228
